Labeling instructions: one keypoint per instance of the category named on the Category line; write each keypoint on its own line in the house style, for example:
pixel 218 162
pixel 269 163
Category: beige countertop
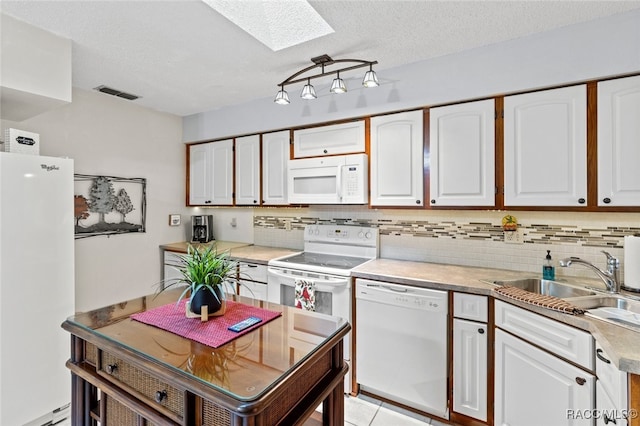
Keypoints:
pixel 621 344
pixel 239 251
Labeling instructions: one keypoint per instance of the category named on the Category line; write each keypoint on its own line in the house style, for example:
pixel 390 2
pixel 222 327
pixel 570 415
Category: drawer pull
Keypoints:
pixel 481 330
pixel 112 368
pixel 581 381
pixel 161 396
pixel 600 357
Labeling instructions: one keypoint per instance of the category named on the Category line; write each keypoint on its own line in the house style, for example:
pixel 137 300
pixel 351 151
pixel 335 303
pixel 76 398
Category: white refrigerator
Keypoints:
pixel 36 285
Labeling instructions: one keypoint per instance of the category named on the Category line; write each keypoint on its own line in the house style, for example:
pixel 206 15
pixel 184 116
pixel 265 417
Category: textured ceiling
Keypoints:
pixel 182 57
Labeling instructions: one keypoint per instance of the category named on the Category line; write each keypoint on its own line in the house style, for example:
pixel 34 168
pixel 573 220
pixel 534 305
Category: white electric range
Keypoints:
pixel 330 253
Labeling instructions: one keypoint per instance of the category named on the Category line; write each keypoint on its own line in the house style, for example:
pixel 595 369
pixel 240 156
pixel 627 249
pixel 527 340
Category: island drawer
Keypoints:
pixel 153 391
pixel 253 272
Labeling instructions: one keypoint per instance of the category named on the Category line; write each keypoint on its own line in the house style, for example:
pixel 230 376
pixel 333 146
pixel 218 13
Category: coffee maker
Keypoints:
pixel 202 228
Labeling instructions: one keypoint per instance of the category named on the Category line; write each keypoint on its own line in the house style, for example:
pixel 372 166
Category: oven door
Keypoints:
pixel 333 293
pixel 333 297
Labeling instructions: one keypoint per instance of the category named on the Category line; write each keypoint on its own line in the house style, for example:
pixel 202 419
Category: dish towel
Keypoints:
pixel 305 295
pixel 549 302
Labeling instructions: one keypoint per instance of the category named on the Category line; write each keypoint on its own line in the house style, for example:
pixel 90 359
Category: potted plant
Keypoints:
pixel 205 272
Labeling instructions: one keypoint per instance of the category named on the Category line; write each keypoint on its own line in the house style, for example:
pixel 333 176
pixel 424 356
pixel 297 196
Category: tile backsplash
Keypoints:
pixel 473 238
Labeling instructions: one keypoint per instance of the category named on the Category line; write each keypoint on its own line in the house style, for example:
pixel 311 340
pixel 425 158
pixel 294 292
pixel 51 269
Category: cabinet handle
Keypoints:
pixel 581 200
pixel 481 330
pixel 160 396
pixel 249 265
pixel 607 420
pixel 325 151
pixel 112 368
pixel 600 357
pixel 208 202
pixel 581 381
pixel 433 201
pixel 255 201
pixel 607 201
pixel 417 201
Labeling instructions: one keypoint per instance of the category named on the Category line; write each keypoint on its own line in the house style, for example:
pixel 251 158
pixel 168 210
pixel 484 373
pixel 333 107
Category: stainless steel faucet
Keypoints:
pixel 610 277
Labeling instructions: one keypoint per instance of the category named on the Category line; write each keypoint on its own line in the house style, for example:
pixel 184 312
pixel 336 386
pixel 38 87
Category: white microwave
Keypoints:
pixel 340 179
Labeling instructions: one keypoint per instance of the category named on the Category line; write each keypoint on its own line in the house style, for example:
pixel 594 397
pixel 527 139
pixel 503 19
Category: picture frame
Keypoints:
pixel 174 220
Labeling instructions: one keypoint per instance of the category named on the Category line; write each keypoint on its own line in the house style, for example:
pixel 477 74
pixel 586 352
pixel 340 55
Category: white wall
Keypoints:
pixel 111 136
pixel 591 50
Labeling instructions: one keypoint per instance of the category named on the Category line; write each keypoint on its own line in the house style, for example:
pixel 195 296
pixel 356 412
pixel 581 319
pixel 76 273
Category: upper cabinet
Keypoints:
pixel 275 156
pixel 462 154
pixel 211 173
pixel 397 159
pixel 619 142
pixel 329 140
pixel 248 170
pixel 545 148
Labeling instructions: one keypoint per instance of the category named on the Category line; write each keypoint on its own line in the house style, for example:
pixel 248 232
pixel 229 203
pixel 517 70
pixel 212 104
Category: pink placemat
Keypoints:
pixel 214 332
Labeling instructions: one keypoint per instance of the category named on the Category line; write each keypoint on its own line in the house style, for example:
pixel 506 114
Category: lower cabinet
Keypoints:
pixel 470 361
pixel 612 389
pixel 532 386
pixel 253 280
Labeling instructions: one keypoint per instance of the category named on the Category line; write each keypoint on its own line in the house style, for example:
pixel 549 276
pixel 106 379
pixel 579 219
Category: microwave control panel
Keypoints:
pixel 352 181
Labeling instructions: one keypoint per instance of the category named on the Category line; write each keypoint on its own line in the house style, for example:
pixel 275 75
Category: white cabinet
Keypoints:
pixel 335 139
pixel 612 390
pixel 545 148
pixel 211 173
pixel 248 170
pixel 397 159
pixel 533 387
pixel 470 345
pixel 253 280
pixel 538 380
pixel 470 368
pixel 462 154
pixel 171 268
pixel 618 147
pixel 275 157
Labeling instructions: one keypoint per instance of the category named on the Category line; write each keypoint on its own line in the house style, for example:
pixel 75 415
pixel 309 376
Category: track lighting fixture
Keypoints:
pixel 338 85
pixel 308 92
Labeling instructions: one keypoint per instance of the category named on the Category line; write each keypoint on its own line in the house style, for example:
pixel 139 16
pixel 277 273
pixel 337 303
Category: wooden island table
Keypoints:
pixel 125 372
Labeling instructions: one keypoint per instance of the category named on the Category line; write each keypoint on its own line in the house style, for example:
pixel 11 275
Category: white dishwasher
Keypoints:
pixel 401 344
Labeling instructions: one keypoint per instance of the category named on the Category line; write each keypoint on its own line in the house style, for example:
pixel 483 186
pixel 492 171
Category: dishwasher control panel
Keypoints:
pixel 402 296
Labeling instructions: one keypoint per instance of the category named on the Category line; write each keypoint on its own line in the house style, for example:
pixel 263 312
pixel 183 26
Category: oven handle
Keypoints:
pixel 332 282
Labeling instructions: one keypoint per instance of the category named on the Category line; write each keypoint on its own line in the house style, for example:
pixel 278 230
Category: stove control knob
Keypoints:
pixel 361 234
pixel 367 235
pixel 317 231
pixel 310 231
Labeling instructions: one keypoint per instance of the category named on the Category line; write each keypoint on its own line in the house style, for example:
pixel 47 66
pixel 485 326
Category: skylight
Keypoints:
pixel 277 24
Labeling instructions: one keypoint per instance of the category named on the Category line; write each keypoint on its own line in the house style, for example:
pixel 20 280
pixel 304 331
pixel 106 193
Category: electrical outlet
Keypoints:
pixel 514 237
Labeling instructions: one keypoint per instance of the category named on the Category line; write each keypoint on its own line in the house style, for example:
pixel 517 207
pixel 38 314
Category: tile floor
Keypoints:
pixel 365 411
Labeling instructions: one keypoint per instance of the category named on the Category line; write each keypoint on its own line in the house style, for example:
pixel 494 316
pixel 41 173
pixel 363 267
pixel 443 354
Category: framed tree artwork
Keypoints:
pixel 107 205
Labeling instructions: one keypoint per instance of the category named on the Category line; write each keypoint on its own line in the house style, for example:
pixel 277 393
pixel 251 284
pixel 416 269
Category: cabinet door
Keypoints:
pixel 248 170
pixel 335 139
pixel 275 157
pixel 545 148
pixel 397 159
pixel 470 368
pixel 222 172
pixel 200 174
pixel 618 142
pixel 462 154
pixel 533 387
pixel 211 173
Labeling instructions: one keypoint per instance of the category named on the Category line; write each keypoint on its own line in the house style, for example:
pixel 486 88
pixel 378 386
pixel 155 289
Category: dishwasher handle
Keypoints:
pixel 386 287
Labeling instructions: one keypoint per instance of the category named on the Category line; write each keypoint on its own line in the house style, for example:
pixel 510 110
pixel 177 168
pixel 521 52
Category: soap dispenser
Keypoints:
pixel 548 271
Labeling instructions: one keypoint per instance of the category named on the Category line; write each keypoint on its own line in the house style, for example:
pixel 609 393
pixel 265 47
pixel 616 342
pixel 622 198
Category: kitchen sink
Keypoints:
pixel 614 309
pixel 546 287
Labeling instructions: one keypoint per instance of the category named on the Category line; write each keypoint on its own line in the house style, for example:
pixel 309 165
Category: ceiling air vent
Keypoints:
pixel 116 92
